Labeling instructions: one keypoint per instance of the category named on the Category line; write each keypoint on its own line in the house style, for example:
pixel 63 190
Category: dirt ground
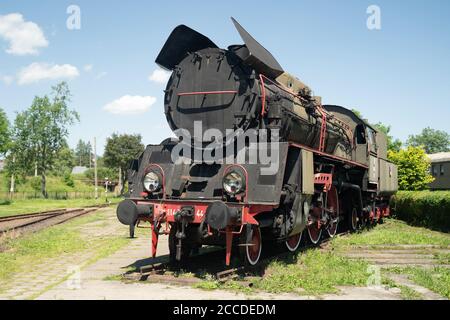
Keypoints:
pixel 75 277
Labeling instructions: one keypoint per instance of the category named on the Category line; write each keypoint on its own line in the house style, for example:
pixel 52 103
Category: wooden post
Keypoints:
pixel 95 168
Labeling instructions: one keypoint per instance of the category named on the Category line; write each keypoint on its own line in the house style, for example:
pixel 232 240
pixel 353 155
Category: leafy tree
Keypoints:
pixel 392 144
pixel 4 133
pixel 413 168
pixel 40 131
pixel 83 153
pixel 120 150
pixel 433 141
pixel 64 161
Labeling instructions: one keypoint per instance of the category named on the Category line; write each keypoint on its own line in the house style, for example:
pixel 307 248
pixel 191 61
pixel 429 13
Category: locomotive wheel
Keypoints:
pixel 379 216
pixel 353 220
pixel 333 205
pixel 250 252
pixel 314 227
pixel 293 242
pixel 186 246
pixel 314 233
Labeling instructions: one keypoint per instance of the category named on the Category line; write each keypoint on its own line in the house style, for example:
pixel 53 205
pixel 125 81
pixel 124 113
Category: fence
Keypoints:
pixel 55 195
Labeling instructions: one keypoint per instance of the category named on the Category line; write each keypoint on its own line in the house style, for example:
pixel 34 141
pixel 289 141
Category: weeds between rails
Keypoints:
pixel 210 263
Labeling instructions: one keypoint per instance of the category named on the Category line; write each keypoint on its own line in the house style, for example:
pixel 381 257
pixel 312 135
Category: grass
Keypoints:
pixel 54 184
pixel 442 258
pixel 436 279
pixel 316 272
pixel 104 250
pixel 313 272
pixel 35 205
pixel 406 292
pixel 394 232
pixel 23 254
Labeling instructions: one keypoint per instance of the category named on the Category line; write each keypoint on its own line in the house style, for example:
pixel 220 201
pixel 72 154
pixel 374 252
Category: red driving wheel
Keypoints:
pixel 333 208
pixel 293 242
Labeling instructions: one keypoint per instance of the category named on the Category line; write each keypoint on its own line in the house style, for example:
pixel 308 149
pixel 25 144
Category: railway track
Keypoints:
pixel 23 223
pixel 163 271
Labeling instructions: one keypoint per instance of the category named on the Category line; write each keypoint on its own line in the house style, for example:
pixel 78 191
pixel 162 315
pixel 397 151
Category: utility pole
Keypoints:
pixel 11 189
pixel 95 168
pixel 106 189
pixel 120 180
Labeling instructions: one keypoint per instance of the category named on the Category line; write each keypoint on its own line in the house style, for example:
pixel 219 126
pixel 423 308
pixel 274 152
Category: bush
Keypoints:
pixel 68 180
pixel 413 168
pixel 430 209
pixel 5 202
pixel 35 183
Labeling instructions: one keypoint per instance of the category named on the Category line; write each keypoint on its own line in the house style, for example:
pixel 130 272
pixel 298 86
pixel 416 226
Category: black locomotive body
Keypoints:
pixel 258 156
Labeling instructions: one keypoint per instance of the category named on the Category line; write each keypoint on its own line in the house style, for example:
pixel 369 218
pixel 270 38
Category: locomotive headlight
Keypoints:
pixel 234 183
pixel 152 182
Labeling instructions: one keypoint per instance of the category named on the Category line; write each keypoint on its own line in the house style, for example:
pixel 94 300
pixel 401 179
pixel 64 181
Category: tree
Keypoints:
pixel 83 153
pixel 40 132
pixel 64 161
pixel 433 141
pixel 392 144
pixel 120 150
pixel 5 141
pixel 102 173
pixel 413 168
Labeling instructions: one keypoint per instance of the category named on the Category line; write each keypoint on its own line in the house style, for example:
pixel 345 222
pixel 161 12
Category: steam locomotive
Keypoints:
pixel 317 167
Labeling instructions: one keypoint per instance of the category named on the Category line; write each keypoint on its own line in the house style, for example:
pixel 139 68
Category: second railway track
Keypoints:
pixel 19 224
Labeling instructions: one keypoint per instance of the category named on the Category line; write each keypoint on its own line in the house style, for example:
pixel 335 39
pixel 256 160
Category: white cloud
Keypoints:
pixel 88 67
pixel 44 71
pixel 159 76
pixel 25 37
pixel 130 104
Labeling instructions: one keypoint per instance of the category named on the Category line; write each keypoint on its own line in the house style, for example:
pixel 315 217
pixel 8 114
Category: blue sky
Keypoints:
pixel 399 75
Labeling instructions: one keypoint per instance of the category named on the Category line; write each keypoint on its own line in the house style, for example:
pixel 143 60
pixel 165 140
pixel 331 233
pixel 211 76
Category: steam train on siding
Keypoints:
pixel 332 166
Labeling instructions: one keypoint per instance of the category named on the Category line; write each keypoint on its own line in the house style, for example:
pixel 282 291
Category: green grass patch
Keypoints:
pixel 35 205
pixel 409 294
pixel 317 272
pixel 79 183
pixel 394 232
pixel 313 272
pixel 406 292
pixel 31 250
pixel 436 279
pixel 442 258
pixel 23 254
